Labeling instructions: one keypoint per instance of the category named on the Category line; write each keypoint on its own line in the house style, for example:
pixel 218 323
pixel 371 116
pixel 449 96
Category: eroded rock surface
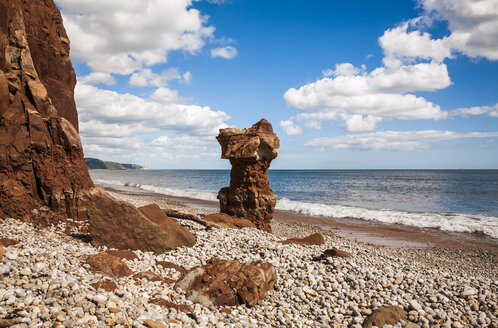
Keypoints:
pixel 120 225
pixel 314 239
pixel 385 315
pixel 223 220
pixel 228 283
pixel 250 152
pixel 41 159
pixel 109 265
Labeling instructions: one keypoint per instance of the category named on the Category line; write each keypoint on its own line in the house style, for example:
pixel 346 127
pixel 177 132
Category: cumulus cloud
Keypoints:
pixel 146 77
pixel 185 142
pixel 394 140
pixel 97 77
pixel 381 94
pixel 357 123
pixel 158 111
pixel 290 128
pixel 399 43
pixel 413 62
pixel 121 37
pixel 476 110
pixel 473 25
pixel 227 52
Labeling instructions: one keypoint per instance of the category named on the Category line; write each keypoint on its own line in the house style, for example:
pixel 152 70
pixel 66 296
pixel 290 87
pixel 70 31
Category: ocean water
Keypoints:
pixel 452 200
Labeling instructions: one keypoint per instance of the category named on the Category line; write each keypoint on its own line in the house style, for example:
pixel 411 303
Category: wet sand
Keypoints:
pixel 373 232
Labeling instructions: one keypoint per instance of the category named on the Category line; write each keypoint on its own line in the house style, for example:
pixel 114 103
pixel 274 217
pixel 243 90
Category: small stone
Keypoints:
pixel 153 324
pixel 415 305
pixel 468 291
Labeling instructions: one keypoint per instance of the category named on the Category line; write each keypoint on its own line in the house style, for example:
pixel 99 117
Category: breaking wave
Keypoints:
pixel 457 222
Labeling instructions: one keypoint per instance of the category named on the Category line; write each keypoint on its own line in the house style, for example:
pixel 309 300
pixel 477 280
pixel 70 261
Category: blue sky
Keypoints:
pixel 357 84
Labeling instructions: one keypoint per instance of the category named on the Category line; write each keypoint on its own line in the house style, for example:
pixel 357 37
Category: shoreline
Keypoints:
pixel 372 232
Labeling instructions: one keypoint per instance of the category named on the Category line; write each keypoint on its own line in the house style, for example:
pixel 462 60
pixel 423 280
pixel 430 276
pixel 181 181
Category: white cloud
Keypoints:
pixel 166 96
pixel 413 62
pixel 227 52
pixel 97 77
pixel 290 128
pixel 345 69
pixel 158 111
pixel 357 123
pixel 121 37
pixel 467 111
pixel 473 25
pixel 146 77
pixel 398 43
pixel 382 93
pixel 187 78
pixel 317 125
pixel 185 142
pixel 394 140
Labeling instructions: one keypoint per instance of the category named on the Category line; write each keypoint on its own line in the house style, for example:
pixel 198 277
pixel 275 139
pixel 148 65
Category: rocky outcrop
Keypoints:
pixel 228 283
pixel 41 159
pixel 120 225
pixel 43 177
pixel 250 152
pixel 223 220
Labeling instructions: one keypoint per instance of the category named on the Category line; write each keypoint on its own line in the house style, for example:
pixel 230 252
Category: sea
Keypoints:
pixel 450 200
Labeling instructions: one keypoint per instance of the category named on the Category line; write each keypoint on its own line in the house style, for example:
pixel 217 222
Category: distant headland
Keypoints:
pixel 97 164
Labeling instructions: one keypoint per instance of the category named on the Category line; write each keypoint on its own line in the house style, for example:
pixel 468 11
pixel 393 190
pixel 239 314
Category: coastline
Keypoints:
pixel 372 232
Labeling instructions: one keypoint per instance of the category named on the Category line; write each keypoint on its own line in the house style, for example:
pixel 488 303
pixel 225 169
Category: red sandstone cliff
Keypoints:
pixel 41 159
pixel 43 177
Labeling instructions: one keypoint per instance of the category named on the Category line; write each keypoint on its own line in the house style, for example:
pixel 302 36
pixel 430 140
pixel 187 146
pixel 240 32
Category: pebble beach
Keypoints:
pixel 45 282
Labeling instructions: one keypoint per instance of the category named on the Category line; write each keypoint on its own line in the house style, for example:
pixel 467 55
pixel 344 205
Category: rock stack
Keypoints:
pixel 250 152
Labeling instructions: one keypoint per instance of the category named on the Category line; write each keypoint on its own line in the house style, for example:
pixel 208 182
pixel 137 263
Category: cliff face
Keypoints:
pixel 41 158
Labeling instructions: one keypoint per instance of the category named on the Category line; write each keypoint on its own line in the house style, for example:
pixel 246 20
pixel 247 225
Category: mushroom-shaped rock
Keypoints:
pixel 250 152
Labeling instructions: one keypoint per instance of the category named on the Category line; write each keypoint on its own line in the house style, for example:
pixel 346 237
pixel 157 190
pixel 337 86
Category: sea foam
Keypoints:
pixel 457 222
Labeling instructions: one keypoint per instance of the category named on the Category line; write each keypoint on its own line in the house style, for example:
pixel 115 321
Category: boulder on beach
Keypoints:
pixel 8 242
pixel 107 285
pixel 385 315
pixel 314 239
pixel 250 152
pixel 123 254
pixel 334 252
pixel 109 265
pixel 120 225
pixel 228 283
pixel 177 235
pixel 223 220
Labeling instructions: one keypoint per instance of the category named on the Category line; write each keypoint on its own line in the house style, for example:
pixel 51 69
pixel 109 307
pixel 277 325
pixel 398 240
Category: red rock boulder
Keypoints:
pixel 314 239
pixel 229 283
pixel 120 225
pixel 223 220
pixel 250 152
pixel 109 265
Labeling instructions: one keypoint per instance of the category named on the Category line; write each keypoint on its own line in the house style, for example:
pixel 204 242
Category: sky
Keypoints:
pixel 346 84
